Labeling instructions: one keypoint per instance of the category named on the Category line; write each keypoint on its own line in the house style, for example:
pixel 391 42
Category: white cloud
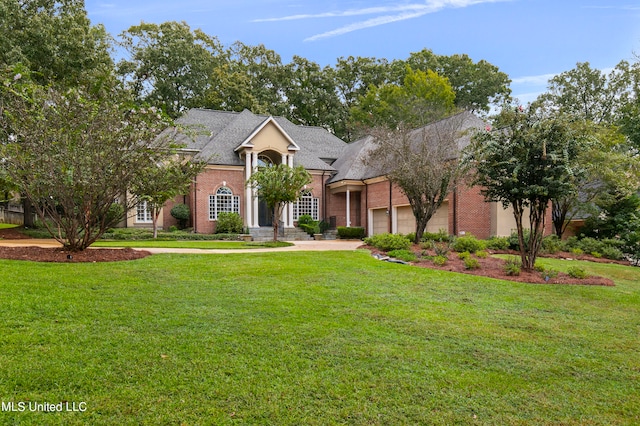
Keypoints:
pixel 365 24
pixel 407 11
pixel 533 79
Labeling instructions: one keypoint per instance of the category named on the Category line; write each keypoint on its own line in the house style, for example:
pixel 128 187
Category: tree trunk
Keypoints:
pixel 28 212
pixel 155 212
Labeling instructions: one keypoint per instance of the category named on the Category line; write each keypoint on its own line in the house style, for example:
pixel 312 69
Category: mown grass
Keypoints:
pixel 7 225
pixel 208 244
pixel 313 338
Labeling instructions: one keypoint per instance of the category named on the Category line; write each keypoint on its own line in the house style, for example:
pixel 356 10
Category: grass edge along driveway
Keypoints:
pixel 313 338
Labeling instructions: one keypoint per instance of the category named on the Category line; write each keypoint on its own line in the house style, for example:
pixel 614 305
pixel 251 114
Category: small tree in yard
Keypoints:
pixel 278 185
pixel 159 184
pixel 525 162
pixel 74 153
pixel 423 163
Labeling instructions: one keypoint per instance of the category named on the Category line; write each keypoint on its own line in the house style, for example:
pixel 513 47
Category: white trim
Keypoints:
pixel 247 142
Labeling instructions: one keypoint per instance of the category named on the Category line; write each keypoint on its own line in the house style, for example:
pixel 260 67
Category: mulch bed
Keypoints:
pixel 41 254
pixel 494 268
pixel 56 254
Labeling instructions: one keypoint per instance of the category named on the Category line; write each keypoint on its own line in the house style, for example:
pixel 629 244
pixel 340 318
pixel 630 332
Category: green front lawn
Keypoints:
pixel 199 244
pixel 7 225
pixel 307 338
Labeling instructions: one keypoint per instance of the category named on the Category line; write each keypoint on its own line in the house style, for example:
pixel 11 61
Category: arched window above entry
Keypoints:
pixel 264 161
pixel 223 201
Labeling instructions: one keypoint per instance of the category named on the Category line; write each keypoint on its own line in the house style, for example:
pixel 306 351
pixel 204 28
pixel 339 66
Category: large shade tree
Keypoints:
pixel 169 66
pixel 278 185
pixel 525 162
pixel 74 153
pixel 601 108
pixel 422 98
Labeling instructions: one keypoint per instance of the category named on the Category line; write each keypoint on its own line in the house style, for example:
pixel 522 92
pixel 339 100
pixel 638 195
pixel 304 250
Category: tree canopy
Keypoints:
pixel 525 161
pixel 74 153
pixel 423 97
pixel 278 185
pixel 422 162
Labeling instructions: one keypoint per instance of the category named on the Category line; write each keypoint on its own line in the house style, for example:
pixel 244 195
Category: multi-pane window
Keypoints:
pixel 223 201
pixel 143 213
pixel 306 204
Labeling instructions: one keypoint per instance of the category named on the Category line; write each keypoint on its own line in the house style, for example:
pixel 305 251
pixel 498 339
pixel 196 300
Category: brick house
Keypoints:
pixel 343 192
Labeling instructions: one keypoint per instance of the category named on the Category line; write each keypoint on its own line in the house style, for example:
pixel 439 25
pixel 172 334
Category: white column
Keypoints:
pixel 290 205
pixel 285 209
pixel 247 190
pixel 256 222
pixel 348 208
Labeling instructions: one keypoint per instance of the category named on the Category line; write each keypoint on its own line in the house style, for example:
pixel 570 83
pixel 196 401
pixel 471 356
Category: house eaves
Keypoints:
pixel 247 142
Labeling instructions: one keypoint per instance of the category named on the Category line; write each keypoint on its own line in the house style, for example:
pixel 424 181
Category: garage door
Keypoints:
pixel 380 221
pixel 440 220
pixel 406 220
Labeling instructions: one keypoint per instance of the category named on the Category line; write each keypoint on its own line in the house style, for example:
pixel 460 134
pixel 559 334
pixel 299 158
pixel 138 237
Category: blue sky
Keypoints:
pixel 530 40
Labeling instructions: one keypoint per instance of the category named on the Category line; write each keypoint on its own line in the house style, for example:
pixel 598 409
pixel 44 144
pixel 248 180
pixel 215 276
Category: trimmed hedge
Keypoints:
pixel 137 234
pixel 350 233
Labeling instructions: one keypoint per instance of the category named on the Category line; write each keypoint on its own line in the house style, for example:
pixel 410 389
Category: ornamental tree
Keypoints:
pixel 75 153
pixel 158 184
pixel 525 162
pixel 422 162
pixel 278 185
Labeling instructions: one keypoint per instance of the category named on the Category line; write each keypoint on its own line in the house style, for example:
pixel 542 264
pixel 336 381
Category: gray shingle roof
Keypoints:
pixel 351 166
pixel 219 133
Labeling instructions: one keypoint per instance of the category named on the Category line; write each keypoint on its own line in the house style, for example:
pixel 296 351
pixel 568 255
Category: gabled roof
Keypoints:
pixel 247 142
pixel 220 136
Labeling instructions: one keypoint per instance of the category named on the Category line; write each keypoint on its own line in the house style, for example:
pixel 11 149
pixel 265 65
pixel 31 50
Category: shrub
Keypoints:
pixel 440 260
pixel 388 242
pixel 590 245
pixel 173 228
pixel 498 243
pixel 613 253
pixel 577 251
pixel 406 255
pixel 440 236
pixel 324 226
pixel 308 225
pixel 442 248
pixel 229 223
pixel 427 245
pixel 513 239
pixel 350 233
pixel 482 254
pixel 577 272
pixel 512 266
pixel 181 213
pixel 471 263
pixel 305 219
pixel 138 234
pixel 464 255
pixel 551 244
pixel 468 243
pixel 411 236
pixel 570 243
pixel 548 274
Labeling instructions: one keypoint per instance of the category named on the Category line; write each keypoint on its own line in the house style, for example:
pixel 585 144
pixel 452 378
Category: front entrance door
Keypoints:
pixel 265 214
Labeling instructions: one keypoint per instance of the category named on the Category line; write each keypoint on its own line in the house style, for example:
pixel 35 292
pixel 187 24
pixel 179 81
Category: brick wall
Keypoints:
pixel 207 183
